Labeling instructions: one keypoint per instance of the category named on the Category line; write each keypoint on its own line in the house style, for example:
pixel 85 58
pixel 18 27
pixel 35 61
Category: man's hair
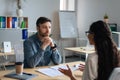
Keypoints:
pixel 42 20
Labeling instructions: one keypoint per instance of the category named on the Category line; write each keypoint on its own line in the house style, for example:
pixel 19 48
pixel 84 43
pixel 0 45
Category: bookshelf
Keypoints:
pixel 13 29
pixel 8 22
pixel 13 22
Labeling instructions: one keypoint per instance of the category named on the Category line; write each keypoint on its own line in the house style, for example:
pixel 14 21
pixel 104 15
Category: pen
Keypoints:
pixel 27 73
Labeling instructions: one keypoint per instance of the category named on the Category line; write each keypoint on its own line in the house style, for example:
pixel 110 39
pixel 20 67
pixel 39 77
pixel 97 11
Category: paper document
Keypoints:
pixel 53 71
pixel 50 72
pixel 7 46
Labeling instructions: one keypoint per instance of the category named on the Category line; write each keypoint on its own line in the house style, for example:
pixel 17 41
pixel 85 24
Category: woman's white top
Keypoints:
pixel 90 72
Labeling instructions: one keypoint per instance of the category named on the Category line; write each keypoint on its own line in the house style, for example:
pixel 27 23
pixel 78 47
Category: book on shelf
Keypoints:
pixel 2 22
pixel 26 22
pixel 13 22
pixel 9 22
pixel 23 22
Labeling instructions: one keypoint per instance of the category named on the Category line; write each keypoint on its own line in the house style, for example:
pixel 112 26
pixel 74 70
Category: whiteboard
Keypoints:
pixel 68 24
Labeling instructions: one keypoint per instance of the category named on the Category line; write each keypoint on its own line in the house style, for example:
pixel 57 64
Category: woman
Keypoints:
pixel 100 64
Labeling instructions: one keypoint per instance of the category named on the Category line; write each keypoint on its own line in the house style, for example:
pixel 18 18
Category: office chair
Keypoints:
pixel 115 74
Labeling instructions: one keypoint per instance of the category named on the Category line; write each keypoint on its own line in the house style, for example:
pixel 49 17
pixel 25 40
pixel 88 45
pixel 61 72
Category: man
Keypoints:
pixel 39 48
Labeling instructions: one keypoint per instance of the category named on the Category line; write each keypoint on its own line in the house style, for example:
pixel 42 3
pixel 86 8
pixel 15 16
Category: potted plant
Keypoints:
pixel 106 18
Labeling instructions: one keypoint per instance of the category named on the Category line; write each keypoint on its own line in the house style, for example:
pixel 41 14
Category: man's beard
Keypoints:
pixel 43 35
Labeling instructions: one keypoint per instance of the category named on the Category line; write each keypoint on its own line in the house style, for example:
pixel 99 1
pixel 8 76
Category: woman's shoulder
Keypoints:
pixel 92 56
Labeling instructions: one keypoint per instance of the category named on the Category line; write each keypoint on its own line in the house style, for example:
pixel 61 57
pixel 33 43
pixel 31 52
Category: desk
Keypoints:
pixel 3 58
pixel 7 54
pixel 78 49
pixel 41 76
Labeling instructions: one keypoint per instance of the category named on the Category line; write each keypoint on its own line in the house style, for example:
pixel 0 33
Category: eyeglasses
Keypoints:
pixel 88 32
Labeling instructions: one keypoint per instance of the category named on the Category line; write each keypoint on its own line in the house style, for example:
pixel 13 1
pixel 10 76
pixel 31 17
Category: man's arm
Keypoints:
pixel 56 57
pixel 32 55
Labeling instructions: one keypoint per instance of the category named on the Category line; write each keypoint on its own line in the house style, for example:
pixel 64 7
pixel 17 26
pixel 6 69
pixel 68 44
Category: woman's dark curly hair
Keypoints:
pixel 105 48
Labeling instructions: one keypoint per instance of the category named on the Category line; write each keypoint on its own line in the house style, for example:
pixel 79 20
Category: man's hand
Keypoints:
pixel 46 42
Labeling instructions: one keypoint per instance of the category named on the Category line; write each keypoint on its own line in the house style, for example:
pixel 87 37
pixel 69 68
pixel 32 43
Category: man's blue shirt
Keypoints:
pixel 35 56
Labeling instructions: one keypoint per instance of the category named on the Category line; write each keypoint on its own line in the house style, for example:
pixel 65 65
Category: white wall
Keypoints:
pixel 93 10
pixel 34 9
pixel 88 11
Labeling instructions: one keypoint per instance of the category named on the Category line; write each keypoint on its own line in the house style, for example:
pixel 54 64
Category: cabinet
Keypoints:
pixel 116 38
pixel 113 26
pixel 115 33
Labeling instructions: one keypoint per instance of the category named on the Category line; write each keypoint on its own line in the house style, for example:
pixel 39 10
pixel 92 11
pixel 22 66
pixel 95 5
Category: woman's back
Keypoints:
pixel 105 48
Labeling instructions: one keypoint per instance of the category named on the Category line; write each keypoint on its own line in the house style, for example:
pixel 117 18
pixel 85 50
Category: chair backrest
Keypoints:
pixel 115 74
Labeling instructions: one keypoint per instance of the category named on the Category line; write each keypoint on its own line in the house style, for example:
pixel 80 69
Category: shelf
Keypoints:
pixel 12 28
pixel 13 22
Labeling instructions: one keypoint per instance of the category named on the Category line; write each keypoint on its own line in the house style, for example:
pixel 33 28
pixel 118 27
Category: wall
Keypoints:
pixel 92 10
pixel 88 11
pixel 34 9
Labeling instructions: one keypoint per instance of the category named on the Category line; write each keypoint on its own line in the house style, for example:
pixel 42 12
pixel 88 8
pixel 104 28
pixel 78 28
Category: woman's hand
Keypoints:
pixel 67 72
pixel 81 67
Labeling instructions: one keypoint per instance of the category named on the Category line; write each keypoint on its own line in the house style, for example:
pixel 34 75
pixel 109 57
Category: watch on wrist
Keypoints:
pixel 53 47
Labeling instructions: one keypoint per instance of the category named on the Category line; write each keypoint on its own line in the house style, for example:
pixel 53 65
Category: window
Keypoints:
pixel 67 5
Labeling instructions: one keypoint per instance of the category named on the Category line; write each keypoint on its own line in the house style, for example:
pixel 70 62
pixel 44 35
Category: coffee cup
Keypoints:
pixel 19 68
